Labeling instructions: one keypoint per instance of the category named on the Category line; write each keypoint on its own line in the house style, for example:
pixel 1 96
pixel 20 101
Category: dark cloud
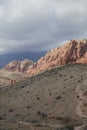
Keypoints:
pixel 30 25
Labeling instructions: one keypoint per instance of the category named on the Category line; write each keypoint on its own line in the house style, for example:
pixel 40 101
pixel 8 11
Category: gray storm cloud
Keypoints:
pixel 36 25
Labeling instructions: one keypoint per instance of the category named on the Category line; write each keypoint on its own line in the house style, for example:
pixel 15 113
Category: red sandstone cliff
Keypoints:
pixel 75 51
pixel 20 66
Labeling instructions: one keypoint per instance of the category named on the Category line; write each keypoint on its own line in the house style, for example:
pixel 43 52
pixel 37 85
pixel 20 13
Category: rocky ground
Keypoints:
pixel 53 100
pixel 82 103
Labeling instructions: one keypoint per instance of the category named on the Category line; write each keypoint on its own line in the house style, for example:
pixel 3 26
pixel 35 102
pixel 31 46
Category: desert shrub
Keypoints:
pixel 77 96
pixel 85 104
pixel 58 97
pixel 65 79
pixel 1 118
pixel 39 113
pixel 17 115
pixel 63 93
pixel 79 81
pixel 71 77
pixel 73 89
pixel 38 98
pixel 28 107
pixel 50 93
pixel 11 110
pixel 42 114
pixel 85 93
pixel 22 86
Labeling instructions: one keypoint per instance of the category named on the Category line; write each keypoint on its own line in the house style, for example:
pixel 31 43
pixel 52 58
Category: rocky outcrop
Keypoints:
pixel 75 51
pixel 20 66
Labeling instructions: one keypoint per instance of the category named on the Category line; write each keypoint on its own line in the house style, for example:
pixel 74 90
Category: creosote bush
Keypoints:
pixel 58 97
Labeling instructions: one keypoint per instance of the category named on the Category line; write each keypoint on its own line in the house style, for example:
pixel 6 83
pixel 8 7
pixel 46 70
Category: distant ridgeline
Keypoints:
pixel 6 58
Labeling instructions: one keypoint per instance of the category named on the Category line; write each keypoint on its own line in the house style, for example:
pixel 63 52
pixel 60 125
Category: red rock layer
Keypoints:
pixel 75 51
pixel 20 66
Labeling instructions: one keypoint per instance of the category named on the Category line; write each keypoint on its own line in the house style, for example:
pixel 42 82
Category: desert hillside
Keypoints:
pixel 53 100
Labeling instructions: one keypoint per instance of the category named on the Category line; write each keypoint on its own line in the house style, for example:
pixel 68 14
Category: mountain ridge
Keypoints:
pixel 74 51
pixel 9 57
pixel 20 66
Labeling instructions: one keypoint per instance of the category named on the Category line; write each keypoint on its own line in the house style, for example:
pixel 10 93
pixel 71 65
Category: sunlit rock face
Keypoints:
pixel 74 51
pixel 20 66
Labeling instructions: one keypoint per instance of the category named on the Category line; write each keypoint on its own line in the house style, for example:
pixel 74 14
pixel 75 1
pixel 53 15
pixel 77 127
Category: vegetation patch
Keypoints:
pixel 58 97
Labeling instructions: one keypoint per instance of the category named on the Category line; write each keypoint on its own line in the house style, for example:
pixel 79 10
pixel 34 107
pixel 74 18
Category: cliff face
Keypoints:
pixel 20 66
pixel 75 51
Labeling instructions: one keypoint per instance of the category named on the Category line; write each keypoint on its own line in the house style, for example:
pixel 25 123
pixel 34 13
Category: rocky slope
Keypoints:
pixel 19 66
pixel 75 51
pixel 48 101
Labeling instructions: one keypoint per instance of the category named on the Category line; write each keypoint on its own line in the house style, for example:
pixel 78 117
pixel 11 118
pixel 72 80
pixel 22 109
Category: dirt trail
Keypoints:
pixel 78 109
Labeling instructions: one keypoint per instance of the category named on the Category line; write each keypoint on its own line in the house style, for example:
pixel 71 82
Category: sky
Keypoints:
pixel 39 25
